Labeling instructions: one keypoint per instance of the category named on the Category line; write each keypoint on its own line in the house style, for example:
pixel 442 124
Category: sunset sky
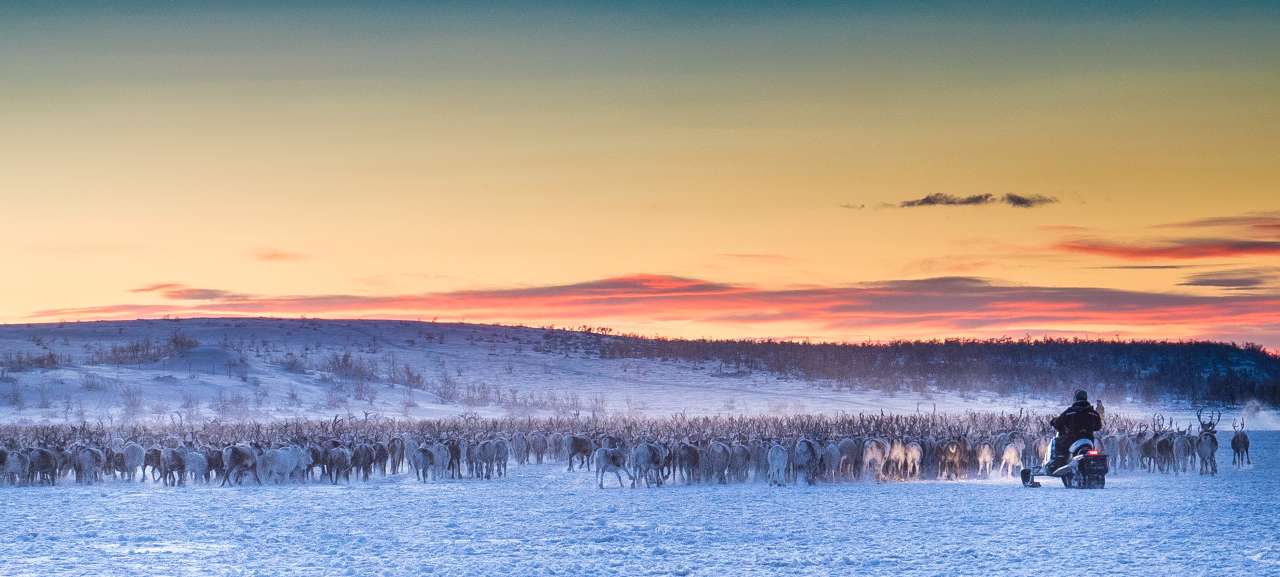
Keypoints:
pixel 722 170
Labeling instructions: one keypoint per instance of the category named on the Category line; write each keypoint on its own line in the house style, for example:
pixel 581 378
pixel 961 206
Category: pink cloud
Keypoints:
pixel 933 307
pixel 1177 249
pixel 276 255
pixel 1264 224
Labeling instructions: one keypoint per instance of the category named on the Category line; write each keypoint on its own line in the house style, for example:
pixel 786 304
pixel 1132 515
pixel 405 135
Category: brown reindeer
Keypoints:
pixel 952 460
pixel 173 467
pixel 236 461
pixel 578 446
pixel 1240 445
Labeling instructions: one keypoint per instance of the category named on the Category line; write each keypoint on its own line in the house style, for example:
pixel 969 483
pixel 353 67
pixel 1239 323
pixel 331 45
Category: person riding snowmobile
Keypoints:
pixel 1079 421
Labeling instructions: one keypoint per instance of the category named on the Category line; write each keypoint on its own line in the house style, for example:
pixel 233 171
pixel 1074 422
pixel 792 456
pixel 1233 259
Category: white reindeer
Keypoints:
pixel 197 466
pixel 133 460
pixel 1011 459
pixel 607 460
pixel 777 465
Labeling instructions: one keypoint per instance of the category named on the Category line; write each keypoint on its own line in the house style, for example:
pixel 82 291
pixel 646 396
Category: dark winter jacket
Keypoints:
pixel 1079 420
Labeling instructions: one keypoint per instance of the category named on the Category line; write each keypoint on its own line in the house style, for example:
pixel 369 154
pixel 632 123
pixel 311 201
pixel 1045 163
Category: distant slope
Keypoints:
pixel 282 368
pixel 1150 370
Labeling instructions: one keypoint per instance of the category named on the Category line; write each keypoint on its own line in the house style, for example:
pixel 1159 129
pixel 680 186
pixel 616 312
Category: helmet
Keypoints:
pixel 1081 395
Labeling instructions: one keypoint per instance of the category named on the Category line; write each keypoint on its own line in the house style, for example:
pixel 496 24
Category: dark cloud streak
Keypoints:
pixel 1014 200
pixel 1235 279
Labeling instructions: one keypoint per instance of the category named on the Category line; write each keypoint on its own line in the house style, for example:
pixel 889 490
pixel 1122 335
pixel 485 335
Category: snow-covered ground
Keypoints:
pixel 543 520
pixel 245 359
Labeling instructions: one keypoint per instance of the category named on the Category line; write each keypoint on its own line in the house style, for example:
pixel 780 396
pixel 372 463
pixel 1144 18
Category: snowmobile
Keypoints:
pixel 1085 469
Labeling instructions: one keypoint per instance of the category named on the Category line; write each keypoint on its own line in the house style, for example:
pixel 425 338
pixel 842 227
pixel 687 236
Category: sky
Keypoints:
pixel 864 172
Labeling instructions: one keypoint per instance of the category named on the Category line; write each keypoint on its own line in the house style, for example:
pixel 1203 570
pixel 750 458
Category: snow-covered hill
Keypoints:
pixel 275 368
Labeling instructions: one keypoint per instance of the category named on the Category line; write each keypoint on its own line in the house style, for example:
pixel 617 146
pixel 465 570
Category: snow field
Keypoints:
pixel 543 520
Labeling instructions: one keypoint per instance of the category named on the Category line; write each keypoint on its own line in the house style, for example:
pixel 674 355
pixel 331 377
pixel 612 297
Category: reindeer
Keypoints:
pixel 875 452
pixel 1183 450
pixel 1207 447
pixel 1041 446
pixel 520 448
pixel 666 462
pixel 739 462
pixel 237 460
pixel 471 454
pixel 538 446
pixel 952 466
pixel 413 457
pixel 423 462
pixel 646 462
pixel 805 462
pixel 213 457
pixel 897 464
pixel 717 462
pixel 281 464
pixel 777 465
pixel 913 460
pixel 152 458
pixel 133 454
pixel 381 455
pixel 16 467
pixel 759 459
pixel 43 466
pixel 1240 445
pixel 440 457
pixel 197 465
pixel 315 459
pixel 1165 457
pixel 986 456
pixel 578 446
pixel 501 455
pixel 339 459
pixel 362 461
pixel 1011 458
pixel 850 457
pixel 1150 443
pixel 173 467
pixel 610 460
pixel 88 465
pixel 485 452
pixel 396 448
pixel 456 448
pixel 555 446
pixel 688 457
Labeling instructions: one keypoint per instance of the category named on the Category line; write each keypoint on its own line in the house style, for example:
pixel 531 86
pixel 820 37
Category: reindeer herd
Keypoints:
pixel 1159 446
pixel 649 452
